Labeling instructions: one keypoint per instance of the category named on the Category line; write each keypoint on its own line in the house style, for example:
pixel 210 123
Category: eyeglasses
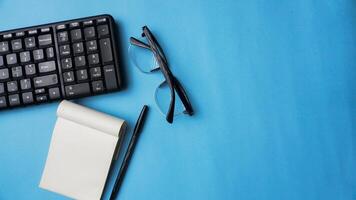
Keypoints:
pixel 148 58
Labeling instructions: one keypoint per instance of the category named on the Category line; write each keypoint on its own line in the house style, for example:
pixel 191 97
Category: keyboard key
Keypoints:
pixel 61 27
pixel 50 53
pixel 30 69
pixel 103 30
pixel 74 25
pixel 11 59
pixel 76 35
pixel 48 66
pixel 63 37
pixel 66 63
pixel 32 32
pixel 105 49
pixel 16 72
pixel 93 59
pixel 16 45
pixel 30 42
pixel 27 97
pixel 92 46
pixel 44 40
pixel 45 30
pixel 25 84
pixel 14 100
pixel 88 23
pixel 68 77
pixel 41 98
pixel 64 50
pixel 2 88
pixel 95 72
pixel 12 86
pixel 54 93
pixel 7 36
pixel 82 75
pixel 3 103
pixel 38 55
pixel 4 74
pixel 20 34
pixel 1 61
pixel 25 57
pixel 110 77
pixel 77 90
pixel 101 20
pixel 40 91
pixel 44 81
pixel 79 61
pixel 97 86
pixel 4 47
pixel 78 48
pixel 89 33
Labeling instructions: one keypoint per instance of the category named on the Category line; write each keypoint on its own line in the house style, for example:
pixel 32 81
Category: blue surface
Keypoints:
pixel 272 83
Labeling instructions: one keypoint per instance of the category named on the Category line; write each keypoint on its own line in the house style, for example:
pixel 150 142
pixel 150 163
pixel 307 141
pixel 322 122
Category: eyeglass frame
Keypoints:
pixel 172 81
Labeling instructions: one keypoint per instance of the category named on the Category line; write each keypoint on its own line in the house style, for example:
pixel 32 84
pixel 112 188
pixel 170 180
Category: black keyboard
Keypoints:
pixel 63 60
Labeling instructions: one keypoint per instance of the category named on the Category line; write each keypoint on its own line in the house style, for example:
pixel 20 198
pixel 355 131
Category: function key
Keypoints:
pixel 88 23
pixel 45 30
pixel 7 36
pixel 101 21
pixel 20 34
pixel 61 27
pixel 32 32
pixel 74 25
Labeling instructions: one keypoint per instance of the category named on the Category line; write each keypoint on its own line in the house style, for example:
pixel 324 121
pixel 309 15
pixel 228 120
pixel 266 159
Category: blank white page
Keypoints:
pixel 79 157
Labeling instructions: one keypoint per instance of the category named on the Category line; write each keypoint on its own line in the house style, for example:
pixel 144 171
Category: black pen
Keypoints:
pixel 129 152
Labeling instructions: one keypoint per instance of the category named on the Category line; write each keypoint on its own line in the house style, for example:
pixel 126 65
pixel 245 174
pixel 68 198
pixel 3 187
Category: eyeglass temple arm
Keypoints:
pixel 170 81
pixel 137 42
pixel 147 33
pixel 183 96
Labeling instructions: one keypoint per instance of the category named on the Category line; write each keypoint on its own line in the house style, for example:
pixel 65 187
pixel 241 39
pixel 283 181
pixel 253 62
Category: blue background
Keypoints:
pixel 272 83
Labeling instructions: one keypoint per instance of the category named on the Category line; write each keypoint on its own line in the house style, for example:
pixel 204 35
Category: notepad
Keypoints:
pixel 83 145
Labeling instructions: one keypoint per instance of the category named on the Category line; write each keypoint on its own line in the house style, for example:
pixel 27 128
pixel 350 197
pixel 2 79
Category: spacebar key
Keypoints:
pixel 77 90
